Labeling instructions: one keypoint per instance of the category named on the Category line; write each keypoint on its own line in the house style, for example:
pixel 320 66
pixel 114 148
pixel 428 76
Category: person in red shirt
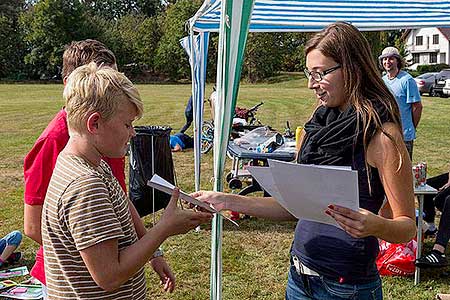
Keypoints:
pixel 40 162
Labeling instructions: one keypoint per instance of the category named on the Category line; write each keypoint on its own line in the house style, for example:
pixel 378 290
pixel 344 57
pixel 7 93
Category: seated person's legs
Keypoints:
pixel 8 244
pixel 437 256
pixel 428 206
pixel 443 235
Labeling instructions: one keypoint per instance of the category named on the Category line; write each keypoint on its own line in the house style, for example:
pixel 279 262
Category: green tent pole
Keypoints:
pixel 234 25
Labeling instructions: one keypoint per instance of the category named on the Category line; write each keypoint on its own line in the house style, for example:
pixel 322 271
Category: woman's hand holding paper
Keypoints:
pixel 217 199
pixel 358 224
pixel 176 221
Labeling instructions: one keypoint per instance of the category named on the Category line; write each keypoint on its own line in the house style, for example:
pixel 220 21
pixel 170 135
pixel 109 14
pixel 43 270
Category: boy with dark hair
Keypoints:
pixel 82 52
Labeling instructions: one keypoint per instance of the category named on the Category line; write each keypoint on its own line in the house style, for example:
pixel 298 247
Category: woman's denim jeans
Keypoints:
pixel 302 287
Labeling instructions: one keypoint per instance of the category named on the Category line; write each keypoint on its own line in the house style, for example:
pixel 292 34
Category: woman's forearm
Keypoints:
pixel 398 230
pixel 261 207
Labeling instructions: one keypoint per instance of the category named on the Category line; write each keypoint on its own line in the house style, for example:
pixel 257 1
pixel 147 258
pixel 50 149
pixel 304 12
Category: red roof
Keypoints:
pixel 445 32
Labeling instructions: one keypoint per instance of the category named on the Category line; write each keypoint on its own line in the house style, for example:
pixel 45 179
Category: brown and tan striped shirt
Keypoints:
pixel 84 206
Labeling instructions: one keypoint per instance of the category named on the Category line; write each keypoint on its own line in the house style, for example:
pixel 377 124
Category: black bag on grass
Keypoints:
pixel 150 154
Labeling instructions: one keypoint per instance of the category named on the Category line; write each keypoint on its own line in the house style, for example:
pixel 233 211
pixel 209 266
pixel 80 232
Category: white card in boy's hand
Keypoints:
pixel 163 185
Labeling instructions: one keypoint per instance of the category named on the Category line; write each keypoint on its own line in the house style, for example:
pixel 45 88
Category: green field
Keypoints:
pixel 255 256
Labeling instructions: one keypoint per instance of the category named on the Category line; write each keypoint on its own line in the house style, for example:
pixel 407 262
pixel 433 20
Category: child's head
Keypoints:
pixel 101 100
pixel 79 53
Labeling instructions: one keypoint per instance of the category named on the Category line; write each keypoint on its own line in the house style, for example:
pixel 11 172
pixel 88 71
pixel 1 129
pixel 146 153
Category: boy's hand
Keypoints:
pixel 176 221
pixel 164 272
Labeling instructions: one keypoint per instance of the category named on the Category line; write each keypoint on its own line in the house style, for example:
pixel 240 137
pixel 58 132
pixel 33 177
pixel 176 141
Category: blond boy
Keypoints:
pixel 91 248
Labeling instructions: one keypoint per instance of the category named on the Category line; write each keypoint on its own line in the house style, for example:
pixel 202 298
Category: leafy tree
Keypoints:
pixel 171 59
pixel 150 8
pixel 8 42
pixel 11 45
pixel 133 39
pixel 211 69
pixel 48 26
pixel 11 8
pixel 262 56
pixel 116 9
pixel 292 48
pixel 148 35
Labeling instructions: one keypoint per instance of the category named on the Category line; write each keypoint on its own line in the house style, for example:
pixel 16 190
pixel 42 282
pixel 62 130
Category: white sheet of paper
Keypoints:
pixel 163 185
pixel 264 177
pixel 308 189
pixel 348 168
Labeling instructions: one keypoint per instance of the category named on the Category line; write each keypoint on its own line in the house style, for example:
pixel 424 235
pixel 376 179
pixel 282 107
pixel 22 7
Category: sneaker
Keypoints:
pixel 430 233
pixel 433 260
pixel 15 257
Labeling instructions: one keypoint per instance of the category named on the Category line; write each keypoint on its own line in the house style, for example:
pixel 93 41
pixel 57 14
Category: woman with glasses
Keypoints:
pixel 356 124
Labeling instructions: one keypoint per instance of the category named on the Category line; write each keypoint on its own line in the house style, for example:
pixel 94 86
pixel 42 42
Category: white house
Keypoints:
pixel 427 46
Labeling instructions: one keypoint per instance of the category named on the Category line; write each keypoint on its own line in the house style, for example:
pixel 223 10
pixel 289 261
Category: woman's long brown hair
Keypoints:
pixel 362 83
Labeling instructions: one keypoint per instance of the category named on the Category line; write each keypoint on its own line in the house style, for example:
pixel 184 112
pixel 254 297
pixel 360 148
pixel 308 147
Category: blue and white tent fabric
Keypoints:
pixel 282 16
pixel 198 71
pixel 304 15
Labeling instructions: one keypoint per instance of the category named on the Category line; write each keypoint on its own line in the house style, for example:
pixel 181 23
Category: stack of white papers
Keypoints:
pixel 306 190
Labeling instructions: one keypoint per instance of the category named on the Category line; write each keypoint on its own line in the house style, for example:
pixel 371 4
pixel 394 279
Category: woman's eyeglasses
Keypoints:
pixel 318 76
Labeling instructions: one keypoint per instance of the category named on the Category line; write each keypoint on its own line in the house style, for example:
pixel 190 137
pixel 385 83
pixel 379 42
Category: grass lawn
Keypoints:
pixel 255 256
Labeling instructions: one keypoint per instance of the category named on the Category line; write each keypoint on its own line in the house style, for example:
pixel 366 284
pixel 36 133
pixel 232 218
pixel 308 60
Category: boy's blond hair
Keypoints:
pixel 91 88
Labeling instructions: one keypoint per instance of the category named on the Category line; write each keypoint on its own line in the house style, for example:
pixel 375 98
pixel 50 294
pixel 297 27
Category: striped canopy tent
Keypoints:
pixel 233 19
pixel 311 16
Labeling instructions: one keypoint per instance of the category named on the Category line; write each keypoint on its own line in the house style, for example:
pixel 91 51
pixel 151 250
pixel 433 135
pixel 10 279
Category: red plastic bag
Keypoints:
pixel 397 259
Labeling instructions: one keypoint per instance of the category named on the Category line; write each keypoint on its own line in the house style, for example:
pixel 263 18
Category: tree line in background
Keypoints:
pixel 143 34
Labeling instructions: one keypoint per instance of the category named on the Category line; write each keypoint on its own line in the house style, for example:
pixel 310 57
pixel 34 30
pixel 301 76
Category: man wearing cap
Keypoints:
pixel 405 90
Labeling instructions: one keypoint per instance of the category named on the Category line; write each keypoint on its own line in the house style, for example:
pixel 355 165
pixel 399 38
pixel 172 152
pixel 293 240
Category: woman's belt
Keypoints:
pixel 301 268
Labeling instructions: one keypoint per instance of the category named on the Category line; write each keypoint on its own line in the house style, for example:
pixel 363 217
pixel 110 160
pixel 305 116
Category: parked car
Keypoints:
pixel 437 88
pixel 446 88
pixel 425 82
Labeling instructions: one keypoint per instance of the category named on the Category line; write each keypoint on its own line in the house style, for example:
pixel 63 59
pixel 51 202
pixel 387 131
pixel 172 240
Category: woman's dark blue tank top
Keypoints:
pixel 332 252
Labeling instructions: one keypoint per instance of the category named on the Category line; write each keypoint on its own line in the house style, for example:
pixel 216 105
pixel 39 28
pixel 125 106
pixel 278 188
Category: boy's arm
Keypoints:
pixel 32 222
pixel 110 268
pixel 137 221
pixel 158 263
pixel 38 168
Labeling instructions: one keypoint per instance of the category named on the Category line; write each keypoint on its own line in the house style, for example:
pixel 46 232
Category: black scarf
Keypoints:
pixel 333 136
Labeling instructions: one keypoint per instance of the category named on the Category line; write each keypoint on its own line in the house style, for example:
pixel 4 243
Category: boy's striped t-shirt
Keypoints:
pixel 84 206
